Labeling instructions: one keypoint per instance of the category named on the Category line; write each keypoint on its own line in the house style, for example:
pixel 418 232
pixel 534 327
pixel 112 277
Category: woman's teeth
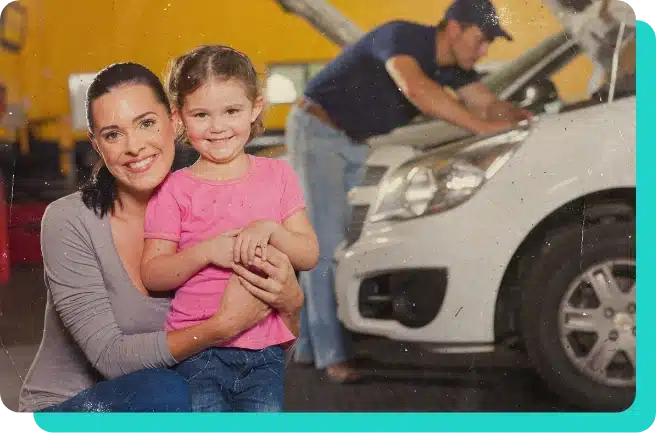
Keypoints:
pixel 141 164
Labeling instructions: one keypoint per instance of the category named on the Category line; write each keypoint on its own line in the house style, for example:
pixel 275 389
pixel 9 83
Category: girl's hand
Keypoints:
pixel 218 250
pixel 281 289
pixel 256 234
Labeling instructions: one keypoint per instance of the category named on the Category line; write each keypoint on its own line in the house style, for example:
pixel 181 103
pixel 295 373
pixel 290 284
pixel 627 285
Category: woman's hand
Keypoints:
pixel 281 289
pixel 239 310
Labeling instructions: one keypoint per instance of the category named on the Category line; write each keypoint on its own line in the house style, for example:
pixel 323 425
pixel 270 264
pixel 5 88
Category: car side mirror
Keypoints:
pixel 13 27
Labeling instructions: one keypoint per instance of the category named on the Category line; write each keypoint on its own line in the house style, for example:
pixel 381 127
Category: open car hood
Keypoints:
pixel 325 18
pixel 595 25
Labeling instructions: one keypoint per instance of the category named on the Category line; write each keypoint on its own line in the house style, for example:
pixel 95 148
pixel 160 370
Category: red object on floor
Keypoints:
pixel 5 266
pixel 25 233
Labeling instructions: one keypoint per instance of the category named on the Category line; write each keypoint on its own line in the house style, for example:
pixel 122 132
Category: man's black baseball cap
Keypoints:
pixel 481 13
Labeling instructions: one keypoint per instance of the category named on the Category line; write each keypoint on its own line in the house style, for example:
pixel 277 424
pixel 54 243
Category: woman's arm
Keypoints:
pixel 292 321
pixel 75 281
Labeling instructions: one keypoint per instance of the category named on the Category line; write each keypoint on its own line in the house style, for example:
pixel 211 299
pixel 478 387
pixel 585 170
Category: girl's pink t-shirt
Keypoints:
pixel 188 209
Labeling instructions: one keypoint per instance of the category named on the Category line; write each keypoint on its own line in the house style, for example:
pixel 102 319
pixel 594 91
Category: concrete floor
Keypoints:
pixel 22 304
pixel 399 378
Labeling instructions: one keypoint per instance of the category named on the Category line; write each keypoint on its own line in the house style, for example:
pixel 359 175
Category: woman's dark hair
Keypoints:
pixel 99 193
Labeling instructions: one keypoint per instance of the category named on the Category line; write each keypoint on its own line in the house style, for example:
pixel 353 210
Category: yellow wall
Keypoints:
pixel 71 36
pixel 12 75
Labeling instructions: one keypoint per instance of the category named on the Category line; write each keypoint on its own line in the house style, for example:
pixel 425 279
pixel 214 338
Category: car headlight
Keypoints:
pixel 444 178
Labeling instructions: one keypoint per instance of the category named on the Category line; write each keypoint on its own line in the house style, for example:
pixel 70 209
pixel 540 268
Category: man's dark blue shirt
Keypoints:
pixel 356 90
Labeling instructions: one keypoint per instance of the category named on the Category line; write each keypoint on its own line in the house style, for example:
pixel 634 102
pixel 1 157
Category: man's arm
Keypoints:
pixel 479 98
pixel 432 100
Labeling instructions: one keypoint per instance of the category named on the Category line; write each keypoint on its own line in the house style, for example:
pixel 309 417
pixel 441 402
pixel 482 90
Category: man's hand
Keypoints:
pixel 504 110
pixel 481 100
pixel 491 126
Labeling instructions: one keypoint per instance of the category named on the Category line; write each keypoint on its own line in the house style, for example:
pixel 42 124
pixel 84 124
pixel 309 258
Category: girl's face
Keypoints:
pixel 134 134
pixel 218 117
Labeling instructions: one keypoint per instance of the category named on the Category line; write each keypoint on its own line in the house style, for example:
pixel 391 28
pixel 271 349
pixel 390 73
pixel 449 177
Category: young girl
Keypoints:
pixel 225 209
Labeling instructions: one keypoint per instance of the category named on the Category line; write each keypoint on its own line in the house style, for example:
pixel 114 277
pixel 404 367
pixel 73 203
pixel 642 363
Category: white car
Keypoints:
pixel 524 238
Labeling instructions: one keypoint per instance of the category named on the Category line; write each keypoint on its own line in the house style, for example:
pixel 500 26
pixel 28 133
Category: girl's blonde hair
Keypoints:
pixel 193 69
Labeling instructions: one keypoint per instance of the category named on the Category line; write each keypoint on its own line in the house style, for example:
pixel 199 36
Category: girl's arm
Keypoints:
pixel 295 238
pixel 76 285
pixel 163 268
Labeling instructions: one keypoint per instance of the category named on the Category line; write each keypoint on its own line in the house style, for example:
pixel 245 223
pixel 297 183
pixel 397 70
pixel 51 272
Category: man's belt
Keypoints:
pixel 317 111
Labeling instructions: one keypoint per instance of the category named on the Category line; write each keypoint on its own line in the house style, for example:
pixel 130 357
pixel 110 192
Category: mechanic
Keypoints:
pixel 384 80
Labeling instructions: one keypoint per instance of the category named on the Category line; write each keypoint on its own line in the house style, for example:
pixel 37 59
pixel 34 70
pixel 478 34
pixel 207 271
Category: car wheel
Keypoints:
pixel 578 315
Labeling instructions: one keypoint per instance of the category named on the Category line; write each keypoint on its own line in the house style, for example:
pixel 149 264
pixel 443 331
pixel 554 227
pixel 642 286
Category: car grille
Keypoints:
pixel 354 229
pixel 373 175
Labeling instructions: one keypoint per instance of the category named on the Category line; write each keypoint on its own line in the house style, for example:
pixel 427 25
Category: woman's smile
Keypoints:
pixel 140 165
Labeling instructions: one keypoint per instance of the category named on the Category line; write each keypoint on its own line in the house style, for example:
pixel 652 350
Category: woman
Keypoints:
pixel 100 320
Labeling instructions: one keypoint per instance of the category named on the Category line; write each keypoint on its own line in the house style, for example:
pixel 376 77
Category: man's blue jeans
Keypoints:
pixel 227 379
pixel 328 164
pixel 149 390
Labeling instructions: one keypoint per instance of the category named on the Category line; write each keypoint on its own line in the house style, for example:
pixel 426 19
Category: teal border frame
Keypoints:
pixel 635 419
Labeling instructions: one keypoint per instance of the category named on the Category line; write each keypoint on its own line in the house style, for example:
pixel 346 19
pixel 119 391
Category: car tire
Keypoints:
pixel 567 253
